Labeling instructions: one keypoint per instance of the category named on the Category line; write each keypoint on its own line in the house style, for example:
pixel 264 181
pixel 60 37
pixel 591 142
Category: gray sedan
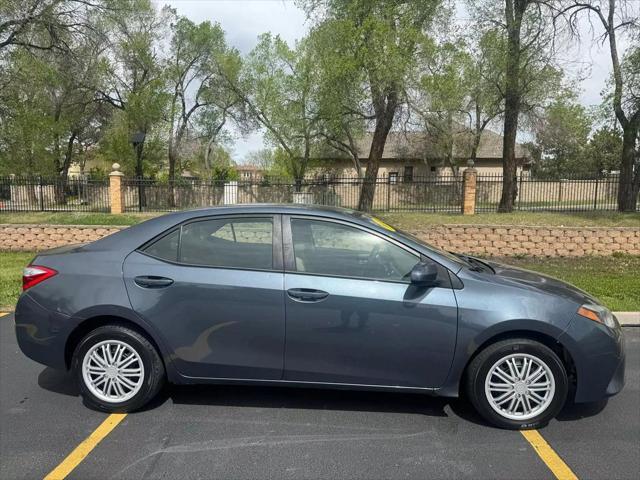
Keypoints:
pixel 306 296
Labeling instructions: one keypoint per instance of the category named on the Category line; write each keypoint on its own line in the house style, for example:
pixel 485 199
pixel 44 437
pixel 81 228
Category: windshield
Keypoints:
pixel 401 233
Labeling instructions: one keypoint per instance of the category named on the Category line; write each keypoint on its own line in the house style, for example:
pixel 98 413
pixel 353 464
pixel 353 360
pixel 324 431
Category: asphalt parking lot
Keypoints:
pixel 246 432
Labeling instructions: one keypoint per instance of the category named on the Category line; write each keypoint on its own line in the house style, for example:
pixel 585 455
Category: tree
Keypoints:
pixel 197 54
pixel 442 101
pixel 277 86
pixel 374 46
pixel 528 33
pixel 272 163
pixel 458 95
pixel 485 78
pixel 59 88
pixel 562 136
pixel 603 151
pixel 617 17
pixel 46 24
pixel 137 87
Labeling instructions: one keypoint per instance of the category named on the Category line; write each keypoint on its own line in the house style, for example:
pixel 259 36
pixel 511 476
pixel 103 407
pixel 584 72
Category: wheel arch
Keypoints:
pixel 469 347
pixel 96 318
pixel 544 338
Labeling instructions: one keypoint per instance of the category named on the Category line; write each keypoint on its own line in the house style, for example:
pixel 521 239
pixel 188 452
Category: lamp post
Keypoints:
pixel 137 140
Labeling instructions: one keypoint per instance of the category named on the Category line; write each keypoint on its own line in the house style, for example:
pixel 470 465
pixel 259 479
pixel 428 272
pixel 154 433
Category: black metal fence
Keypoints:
pixel 565 195
pixel 392 193
pixel 53 194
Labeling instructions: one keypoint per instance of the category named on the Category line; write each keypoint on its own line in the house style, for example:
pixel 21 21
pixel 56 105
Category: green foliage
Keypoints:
pixel 225 173
pixel 604 150
pixel 198 63
pixel 274 163
pixel 278 85
pixel 562 138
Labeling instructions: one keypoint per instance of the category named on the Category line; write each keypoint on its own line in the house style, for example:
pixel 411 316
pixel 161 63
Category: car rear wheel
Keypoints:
pixel 118 369
pixel 517 384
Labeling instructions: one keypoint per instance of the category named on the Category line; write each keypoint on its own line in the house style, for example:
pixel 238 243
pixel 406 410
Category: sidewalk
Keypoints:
pixel 628 319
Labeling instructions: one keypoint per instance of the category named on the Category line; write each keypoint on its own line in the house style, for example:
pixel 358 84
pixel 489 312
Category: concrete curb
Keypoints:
pixel 628 319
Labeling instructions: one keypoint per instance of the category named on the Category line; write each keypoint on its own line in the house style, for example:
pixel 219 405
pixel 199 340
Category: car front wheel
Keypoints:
pixel 517 384
pixel 118 370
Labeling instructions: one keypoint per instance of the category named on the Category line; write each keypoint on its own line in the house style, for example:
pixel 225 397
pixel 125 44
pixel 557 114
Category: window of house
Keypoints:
pixel 328 248
pixel 408 173
pixel 393 178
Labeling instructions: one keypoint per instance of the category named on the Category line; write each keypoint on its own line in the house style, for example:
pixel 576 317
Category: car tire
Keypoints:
pixel 504 374
pixel 117 369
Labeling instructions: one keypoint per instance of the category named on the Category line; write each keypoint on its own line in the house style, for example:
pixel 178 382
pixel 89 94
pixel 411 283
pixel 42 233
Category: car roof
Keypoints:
pixel 277 208
pixel 272 208
pixel 133 237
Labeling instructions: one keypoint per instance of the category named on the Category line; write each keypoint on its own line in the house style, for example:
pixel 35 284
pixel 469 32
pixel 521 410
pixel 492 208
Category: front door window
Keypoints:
pixel 327 248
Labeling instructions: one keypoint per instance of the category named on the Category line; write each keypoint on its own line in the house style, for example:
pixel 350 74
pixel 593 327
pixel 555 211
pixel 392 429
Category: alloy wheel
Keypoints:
pixel 113 371
pixel 520 386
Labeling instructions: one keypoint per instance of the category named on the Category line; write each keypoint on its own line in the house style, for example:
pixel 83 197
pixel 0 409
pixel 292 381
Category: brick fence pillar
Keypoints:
pixel 116 197
pixel 470 177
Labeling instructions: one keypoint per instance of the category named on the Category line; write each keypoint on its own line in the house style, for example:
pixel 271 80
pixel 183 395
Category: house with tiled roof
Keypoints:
pixel 414 154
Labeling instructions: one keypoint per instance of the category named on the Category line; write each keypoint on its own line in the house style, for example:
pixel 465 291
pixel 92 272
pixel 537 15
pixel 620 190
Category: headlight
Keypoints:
pixel 598 314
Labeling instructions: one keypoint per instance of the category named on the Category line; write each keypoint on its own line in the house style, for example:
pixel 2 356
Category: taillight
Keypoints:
pixel 34 274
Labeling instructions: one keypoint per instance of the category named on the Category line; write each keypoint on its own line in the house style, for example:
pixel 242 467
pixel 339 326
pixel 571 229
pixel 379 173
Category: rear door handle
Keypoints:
pixel 307 294
pixel 152 281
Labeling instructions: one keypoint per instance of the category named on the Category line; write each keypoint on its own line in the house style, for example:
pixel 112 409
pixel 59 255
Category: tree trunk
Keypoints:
pixel 514 10
pixel 63 172
pixel 384 121
pixel 142 197
pixel 172 174
pixel 629 181
pixel 509 168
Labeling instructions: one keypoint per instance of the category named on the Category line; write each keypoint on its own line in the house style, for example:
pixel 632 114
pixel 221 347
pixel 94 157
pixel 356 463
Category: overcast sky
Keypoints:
pixel 244 20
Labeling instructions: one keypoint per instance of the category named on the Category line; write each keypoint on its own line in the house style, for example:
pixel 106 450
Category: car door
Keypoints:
pixel 353 316
pixel 213 289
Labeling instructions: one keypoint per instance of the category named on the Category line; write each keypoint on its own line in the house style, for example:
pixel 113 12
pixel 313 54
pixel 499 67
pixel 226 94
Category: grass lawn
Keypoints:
pixel 406 221
pixel 614 280
pixel 74 218
pixel 11 265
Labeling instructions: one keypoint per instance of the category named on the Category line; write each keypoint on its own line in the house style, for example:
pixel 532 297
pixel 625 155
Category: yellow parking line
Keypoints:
pixel 2 314
pixel 85 448
pixel 557 466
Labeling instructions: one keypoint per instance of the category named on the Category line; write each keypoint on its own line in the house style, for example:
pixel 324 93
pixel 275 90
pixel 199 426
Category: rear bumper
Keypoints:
pixel 41 334
pixel 599 358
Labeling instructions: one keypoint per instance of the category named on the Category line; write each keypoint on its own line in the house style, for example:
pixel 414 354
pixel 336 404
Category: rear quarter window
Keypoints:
pixel 166 247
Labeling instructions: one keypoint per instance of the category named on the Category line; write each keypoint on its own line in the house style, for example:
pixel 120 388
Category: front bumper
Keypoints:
pixel 599 358
pixel 41 334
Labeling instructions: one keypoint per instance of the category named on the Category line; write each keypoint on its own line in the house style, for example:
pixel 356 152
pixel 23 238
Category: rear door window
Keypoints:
pixel 228 242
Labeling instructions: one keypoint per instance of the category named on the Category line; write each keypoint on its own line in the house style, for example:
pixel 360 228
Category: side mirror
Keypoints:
pixel 424 274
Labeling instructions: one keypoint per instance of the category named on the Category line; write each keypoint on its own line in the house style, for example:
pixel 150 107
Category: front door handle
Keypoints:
pixel 152 281
pixel 307 294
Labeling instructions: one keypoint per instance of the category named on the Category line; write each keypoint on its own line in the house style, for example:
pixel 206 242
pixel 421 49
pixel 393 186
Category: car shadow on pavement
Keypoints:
pixel 306 399
pixel 576 411
pixel 58 381
pixel 64 383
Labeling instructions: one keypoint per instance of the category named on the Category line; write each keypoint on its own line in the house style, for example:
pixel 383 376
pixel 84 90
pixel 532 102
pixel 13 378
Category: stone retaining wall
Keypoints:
pixel 30 238
pixel 484 240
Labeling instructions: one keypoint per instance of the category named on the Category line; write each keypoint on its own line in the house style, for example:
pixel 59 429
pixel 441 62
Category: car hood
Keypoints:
pixel 543 283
